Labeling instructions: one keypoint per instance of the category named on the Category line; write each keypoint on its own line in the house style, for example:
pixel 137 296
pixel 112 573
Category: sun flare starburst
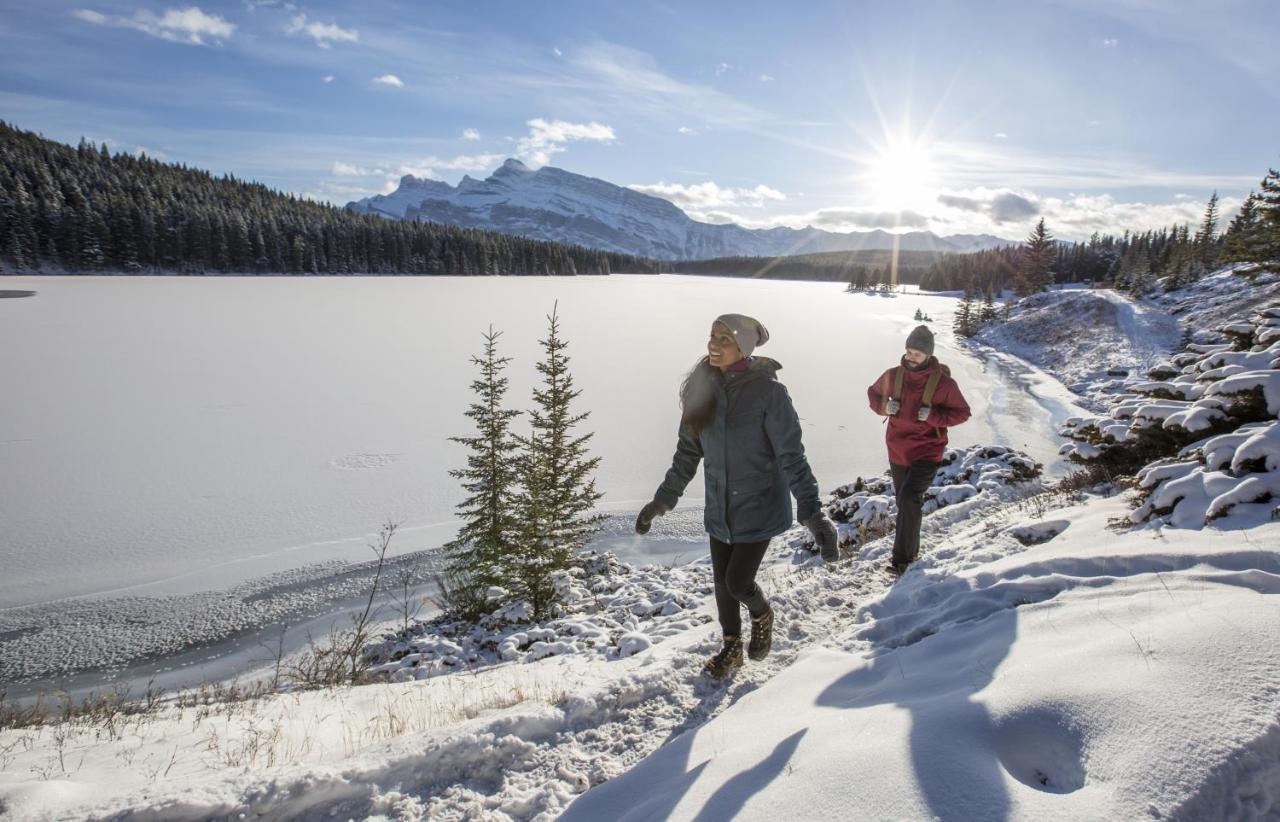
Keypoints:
pixel 900 175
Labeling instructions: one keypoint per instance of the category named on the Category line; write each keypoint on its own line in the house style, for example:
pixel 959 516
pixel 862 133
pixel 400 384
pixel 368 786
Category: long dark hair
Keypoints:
pixel 698 396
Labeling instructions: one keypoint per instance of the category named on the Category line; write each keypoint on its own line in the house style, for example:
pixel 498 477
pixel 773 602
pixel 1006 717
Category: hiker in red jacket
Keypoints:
pixel 921 401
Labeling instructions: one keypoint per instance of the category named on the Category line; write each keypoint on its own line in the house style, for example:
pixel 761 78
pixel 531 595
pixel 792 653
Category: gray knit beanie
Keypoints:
pixel 747 331
pixel 921 339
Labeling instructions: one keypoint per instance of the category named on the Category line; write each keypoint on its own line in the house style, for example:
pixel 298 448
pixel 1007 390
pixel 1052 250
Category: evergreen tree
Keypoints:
pixel 964 324
pixel 477 556
pixel 1266 245
pixel 1140 276
pixel 1035 268
pixel 1206 242
pixel 559 493
pixel 988 312
pixel 1241 235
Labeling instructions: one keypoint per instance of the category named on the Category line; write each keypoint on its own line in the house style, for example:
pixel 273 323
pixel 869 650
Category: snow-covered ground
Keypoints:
pixel 191 459
pixel 1047 658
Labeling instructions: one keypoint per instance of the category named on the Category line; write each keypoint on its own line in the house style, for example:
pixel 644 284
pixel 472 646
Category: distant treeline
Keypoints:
pixel 86 210
pixel 862 268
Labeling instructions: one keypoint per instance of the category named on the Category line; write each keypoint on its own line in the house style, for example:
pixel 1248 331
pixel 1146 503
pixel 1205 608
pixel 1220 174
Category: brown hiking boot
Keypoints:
pixel 761 635
pixel 728 659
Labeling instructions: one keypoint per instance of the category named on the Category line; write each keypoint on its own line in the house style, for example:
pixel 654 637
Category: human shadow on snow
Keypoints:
pixel 958 780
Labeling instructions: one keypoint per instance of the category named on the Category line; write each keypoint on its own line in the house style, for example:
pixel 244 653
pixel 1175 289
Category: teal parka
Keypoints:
pixel 753 460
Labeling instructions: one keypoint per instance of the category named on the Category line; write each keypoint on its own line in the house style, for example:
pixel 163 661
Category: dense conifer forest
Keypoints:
pixel 85 210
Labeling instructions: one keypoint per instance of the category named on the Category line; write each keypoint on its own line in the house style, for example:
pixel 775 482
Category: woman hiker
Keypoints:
pixel 738 419
pixel 921 401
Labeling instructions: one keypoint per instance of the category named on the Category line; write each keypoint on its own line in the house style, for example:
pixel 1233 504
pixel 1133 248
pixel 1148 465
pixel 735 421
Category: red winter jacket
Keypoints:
pixel 907 439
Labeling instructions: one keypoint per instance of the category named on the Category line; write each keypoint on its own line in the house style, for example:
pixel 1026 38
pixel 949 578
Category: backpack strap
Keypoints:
pixel 932 384
pixel 898 374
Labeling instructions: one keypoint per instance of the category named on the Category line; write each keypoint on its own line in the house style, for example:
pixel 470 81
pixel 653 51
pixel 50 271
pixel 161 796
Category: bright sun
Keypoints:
pixel 900 175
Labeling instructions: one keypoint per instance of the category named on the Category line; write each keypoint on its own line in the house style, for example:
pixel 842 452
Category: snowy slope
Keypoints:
pixel 1093 677
pixel 554 204
pixel 1085 338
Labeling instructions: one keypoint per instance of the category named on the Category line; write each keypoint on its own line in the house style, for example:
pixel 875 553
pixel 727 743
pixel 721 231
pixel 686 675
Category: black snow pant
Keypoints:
pixel 734 566
pixel 909 484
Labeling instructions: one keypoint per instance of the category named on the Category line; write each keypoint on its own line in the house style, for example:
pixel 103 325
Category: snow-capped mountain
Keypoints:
pixel 554 204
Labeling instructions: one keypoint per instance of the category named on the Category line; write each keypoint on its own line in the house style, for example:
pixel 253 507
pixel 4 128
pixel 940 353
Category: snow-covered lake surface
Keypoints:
pixel 165 436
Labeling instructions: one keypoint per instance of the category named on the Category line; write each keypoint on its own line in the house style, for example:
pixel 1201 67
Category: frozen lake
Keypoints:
pixel 174 435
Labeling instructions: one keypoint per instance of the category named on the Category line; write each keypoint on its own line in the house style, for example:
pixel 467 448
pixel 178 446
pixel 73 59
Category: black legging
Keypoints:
pixel 734 568
pixel 909 484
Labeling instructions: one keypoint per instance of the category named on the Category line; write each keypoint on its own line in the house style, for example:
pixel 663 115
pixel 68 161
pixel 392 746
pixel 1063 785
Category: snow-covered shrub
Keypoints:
pixel 1208 389
pixel 866 508
pixel 604 606
pixel 1202 443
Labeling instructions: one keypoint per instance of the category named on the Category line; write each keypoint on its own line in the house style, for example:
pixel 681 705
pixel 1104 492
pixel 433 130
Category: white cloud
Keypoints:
pixel 722 68
pixel 1000 135
pixel 470 134
pixel 325 34
pixel 686 130
pixel 766 78
pixel 547 138
pixel 189 25
pixel 389 80
pixel 1094 123
pixel 557 52
pixel 701 197
pixel 341 169
pixel 1110 42
pixel 328 78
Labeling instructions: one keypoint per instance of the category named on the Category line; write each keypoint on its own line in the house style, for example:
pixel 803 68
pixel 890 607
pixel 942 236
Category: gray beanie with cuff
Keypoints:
pixel 921 339
pixel 747 331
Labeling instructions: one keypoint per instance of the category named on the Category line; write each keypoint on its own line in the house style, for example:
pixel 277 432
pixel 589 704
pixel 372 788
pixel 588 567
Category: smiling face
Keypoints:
pixel 915 356
pixel 722 348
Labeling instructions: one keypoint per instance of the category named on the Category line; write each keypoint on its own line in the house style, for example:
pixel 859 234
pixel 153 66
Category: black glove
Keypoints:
pixel 647 513
pixel 824 533
pixel 892 407
pixel 922 415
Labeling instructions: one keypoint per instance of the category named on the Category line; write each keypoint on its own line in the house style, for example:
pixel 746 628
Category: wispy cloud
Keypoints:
pixel 546 138
pixel 722 68
pixel 389 80
pixel 969 165
pixel 189 25
pixel 633 79
pixel 710 195
pixel 766 78
pixel 1110 42
pixel 686 130
pixel 324 34
pixel 470 134
pixel 328 78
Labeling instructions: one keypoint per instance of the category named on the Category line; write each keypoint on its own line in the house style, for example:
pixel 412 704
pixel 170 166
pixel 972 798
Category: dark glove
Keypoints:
pixel 647 513
pixel 922 415
pixel 824 533
pixel 892 407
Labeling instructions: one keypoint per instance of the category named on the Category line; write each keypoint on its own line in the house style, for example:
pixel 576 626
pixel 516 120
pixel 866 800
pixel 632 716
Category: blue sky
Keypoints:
pixel 957 117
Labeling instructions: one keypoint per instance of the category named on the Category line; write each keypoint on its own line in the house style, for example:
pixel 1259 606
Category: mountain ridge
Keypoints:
pixel 551 203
